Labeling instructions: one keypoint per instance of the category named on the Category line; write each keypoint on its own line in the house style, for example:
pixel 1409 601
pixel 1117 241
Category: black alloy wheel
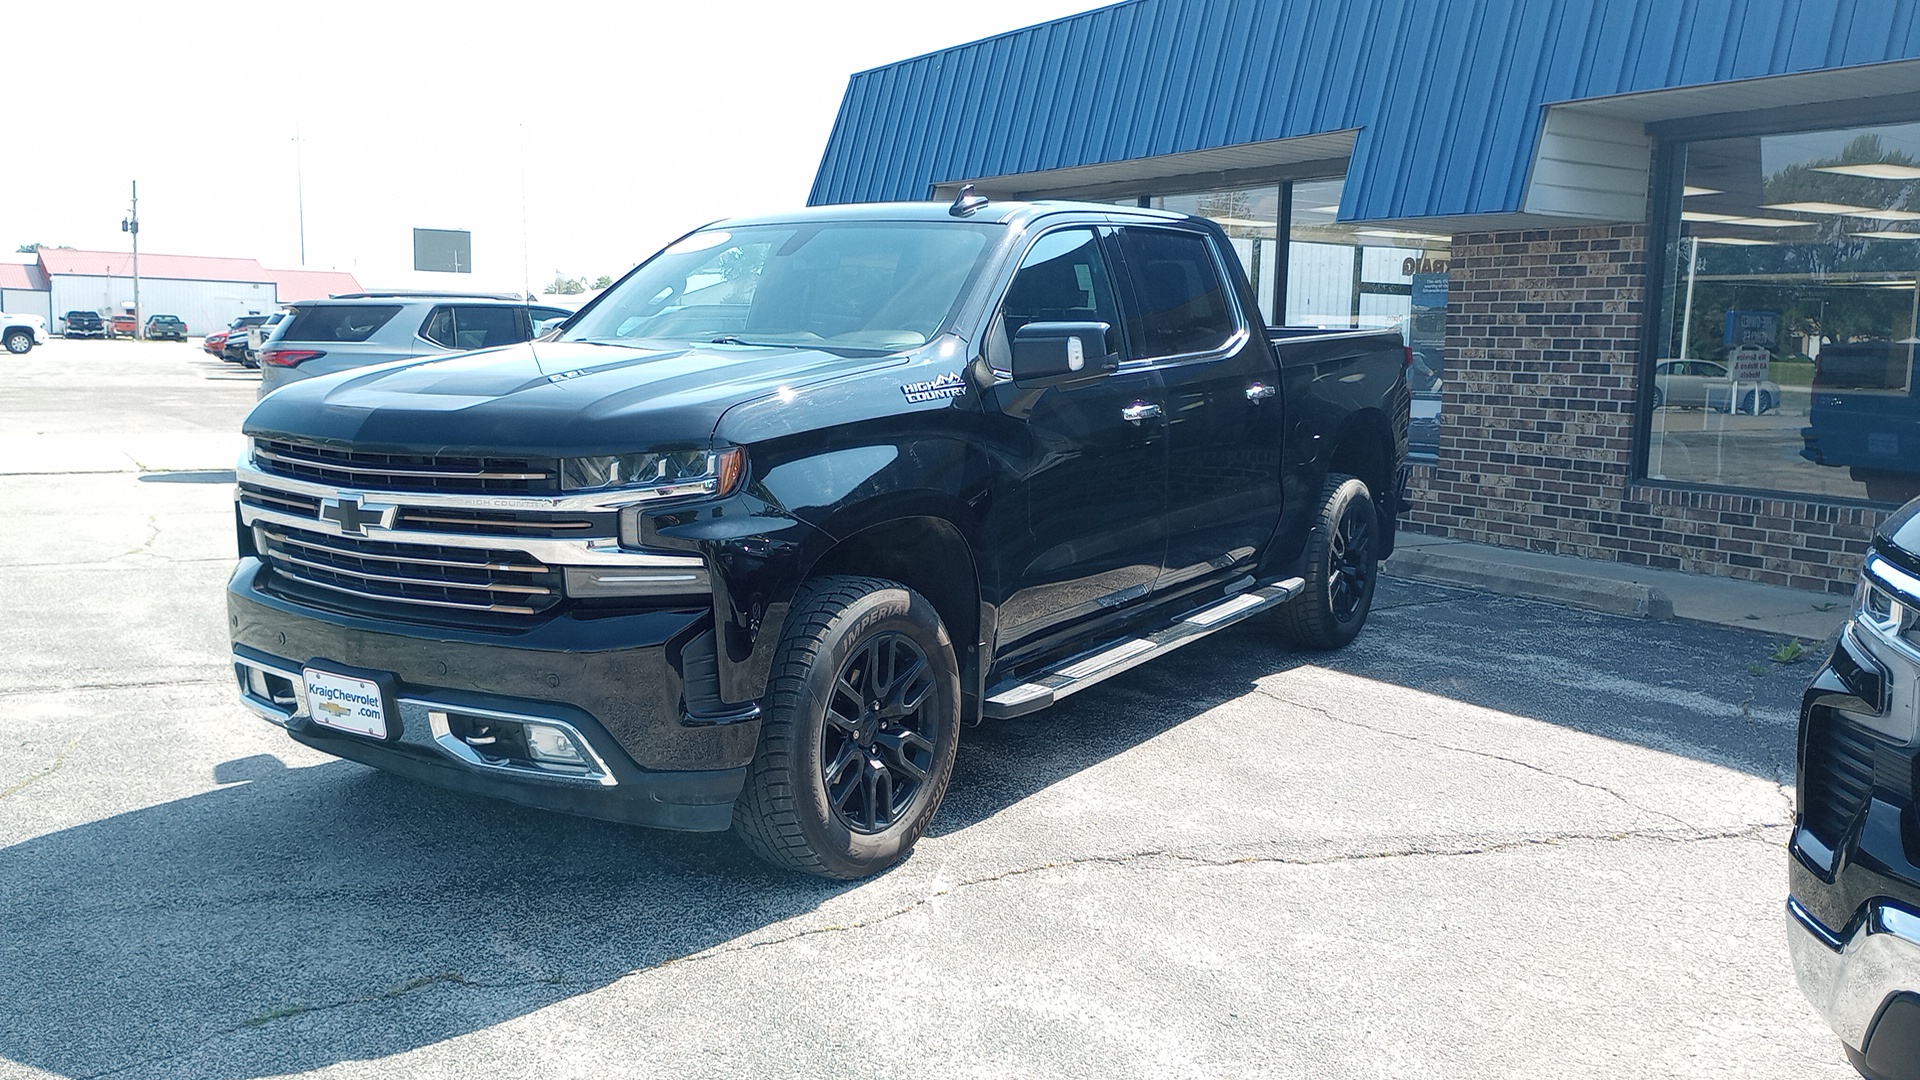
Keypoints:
pixel 875 753
pixel 1352 559
pixel 858 730
pixel 1342 568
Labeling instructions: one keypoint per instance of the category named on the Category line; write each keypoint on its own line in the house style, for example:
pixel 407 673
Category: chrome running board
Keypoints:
pixel 1018 697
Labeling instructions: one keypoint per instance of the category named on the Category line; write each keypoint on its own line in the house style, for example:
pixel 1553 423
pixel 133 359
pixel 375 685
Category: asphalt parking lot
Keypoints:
pixel 1493 838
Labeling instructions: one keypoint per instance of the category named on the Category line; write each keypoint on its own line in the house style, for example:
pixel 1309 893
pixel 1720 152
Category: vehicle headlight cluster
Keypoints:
pixel 663 475
pixel 1886 611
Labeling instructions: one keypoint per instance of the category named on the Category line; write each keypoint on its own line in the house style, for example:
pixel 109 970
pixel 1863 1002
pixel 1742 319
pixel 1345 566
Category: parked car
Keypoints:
pixel 166 328
pixel 1865 416
pixel 235 348
pixel 216 343
pixel 84 324
pixel 793 502
pixel 1703 384
pixel 21 333
pixel 320 337
pixel 1854 862
pixel 121 325
pixel 257 335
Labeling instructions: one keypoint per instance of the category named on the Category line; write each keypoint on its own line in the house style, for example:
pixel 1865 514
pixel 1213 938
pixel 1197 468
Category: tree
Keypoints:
pixel 27 249
pixel 602 281
pixel 563 285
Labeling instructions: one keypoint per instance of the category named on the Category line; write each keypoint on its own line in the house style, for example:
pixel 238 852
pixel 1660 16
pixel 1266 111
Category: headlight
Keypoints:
pixel 1891 613
pixel 657 476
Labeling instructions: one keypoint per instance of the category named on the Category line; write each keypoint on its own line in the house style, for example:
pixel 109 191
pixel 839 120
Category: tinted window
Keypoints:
pixel 463 326
pixel 1062 279
pixel 339 322
pixel 1180 304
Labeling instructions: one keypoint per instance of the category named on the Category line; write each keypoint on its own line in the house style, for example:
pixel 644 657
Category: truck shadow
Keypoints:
pixel 210 926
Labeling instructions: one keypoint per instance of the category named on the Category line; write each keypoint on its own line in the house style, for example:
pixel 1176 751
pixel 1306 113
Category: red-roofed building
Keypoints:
pixel 207 292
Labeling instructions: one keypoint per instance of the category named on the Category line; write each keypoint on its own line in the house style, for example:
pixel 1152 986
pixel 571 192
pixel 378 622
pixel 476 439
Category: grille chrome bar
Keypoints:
pixel 410 574
pixel 500 609
pixel 427 583
pixel 400 470
pixel 512 568
pixel 247 472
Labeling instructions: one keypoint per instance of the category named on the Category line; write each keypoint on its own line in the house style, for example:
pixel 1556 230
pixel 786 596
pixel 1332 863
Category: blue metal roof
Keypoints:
pixel 1447 94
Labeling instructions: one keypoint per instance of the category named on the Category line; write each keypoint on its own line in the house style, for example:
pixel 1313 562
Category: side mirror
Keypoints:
pixel 1051 353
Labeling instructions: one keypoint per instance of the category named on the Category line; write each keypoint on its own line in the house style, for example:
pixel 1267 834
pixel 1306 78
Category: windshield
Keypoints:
pixel 857 285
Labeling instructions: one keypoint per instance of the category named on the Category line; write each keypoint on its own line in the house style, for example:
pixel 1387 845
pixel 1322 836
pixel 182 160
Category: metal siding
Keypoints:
pixel 1448 94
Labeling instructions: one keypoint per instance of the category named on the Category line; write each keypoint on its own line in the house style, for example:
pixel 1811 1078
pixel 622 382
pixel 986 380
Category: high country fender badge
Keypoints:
pixel 950 385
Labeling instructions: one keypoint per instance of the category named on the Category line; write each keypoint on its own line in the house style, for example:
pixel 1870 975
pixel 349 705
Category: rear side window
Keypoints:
pixel 1180 302
pixel 462 326
pixel 339 322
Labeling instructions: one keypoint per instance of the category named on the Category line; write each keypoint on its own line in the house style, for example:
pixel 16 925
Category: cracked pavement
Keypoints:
pixel 1493 838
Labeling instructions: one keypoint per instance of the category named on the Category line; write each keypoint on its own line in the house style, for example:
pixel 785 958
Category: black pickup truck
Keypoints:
pixel 749 538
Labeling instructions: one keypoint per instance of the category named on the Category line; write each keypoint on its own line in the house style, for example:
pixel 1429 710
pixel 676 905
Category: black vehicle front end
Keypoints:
pixel 1854 870
pixel 517 645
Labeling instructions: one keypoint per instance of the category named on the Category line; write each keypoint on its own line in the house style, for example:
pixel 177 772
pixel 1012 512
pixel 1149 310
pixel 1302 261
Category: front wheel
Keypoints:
pixel 19 342
pixel 1343 562
pixel 859 733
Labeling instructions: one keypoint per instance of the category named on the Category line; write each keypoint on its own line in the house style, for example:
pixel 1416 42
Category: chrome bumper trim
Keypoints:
pixel 435 733
pixel 1849 979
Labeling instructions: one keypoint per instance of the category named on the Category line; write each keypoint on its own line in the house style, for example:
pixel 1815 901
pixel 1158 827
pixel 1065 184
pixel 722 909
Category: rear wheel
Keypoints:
pixel 19 342
pixel 1343 561
pixel 859 733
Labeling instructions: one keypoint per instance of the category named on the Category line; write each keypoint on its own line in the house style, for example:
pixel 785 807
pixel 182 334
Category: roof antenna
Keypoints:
pixel 966 202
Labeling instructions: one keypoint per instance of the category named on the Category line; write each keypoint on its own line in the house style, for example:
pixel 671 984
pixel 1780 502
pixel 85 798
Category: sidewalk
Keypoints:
pixel 1617 588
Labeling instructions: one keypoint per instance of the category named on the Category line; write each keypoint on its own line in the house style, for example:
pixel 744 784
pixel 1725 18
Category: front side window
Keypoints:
pixel 853 285
pixel 469 326
pixel 1790 315
pixel 1180 300
pixel 1063 278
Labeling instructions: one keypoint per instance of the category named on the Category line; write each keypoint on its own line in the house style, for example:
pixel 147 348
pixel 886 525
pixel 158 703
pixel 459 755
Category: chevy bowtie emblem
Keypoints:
pixel 333 709
pixel 353 516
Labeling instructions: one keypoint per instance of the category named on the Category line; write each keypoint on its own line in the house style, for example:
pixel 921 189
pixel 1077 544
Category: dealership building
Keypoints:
pixel 207 292
pixel 1659 260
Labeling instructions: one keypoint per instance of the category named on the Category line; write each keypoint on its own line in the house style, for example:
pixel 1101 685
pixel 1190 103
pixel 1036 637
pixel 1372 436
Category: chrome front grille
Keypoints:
pixel 406 472
pixel 353 573
pixel 564 525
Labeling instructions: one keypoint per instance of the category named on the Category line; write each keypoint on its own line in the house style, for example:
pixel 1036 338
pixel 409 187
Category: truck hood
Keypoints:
pixel 548 399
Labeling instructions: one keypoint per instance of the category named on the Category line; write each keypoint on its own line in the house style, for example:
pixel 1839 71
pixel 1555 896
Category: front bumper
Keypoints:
pixel 1863 982
pixel 614 681
pixel 1854 864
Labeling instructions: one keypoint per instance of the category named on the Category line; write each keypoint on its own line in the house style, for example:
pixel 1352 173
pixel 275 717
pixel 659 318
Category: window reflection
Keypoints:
pixel 1791 315
pixel 1251 218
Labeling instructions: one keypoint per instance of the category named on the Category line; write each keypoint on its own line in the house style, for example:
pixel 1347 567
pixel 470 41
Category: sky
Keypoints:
pixel 571 138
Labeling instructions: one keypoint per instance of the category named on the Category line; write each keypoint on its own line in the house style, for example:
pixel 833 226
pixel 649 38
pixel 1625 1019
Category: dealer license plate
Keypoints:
pixel 345 703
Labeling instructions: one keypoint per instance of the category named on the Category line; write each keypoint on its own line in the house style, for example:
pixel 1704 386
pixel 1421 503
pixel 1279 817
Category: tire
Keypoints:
pixel 1659 397
pixel 1343 565
pixel 19 342
pixel 824 794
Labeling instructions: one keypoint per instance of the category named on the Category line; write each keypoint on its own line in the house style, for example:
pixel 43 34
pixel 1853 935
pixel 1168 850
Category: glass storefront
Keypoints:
pixel 1373 277
pixel 1791 314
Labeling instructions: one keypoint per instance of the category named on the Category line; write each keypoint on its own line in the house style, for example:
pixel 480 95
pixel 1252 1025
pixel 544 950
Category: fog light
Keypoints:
pixel 554 746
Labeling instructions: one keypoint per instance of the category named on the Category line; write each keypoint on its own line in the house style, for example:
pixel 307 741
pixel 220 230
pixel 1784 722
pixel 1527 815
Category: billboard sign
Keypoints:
pixel 445 250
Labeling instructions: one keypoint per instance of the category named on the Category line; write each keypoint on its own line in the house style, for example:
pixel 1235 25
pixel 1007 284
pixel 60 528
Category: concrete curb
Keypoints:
pixel 1535 583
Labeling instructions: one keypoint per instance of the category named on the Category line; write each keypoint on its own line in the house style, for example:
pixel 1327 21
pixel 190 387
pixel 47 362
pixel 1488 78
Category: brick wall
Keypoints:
pixel 1536 435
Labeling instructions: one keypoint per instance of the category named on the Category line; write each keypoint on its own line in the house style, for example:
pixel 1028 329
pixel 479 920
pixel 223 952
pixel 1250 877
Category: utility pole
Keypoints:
pixel 131 225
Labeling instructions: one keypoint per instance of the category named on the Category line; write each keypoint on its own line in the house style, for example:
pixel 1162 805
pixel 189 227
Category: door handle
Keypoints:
pixel 1141 410
pixel 1260 392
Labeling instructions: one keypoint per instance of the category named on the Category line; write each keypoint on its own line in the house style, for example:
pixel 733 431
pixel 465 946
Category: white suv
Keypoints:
pixel 320 337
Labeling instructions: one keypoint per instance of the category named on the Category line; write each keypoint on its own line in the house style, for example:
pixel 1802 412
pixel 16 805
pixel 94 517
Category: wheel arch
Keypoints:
pixel 1364 449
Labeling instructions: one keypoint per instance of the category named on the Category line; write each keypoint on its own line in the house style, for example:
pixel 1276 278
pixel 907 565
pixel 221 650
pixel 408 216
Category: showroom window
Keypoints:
pixel 1790 314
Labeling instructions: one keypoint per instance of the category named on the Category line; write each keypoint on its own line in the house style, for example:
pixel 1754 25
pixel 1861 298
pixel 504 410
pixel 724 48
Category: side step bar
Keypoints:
pixel 1020 697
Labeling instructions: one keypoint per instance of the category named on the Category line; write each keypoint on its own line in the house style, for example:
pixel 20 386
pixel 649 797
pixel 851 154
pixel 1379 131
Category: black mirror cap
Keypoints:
pixel 1049 353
